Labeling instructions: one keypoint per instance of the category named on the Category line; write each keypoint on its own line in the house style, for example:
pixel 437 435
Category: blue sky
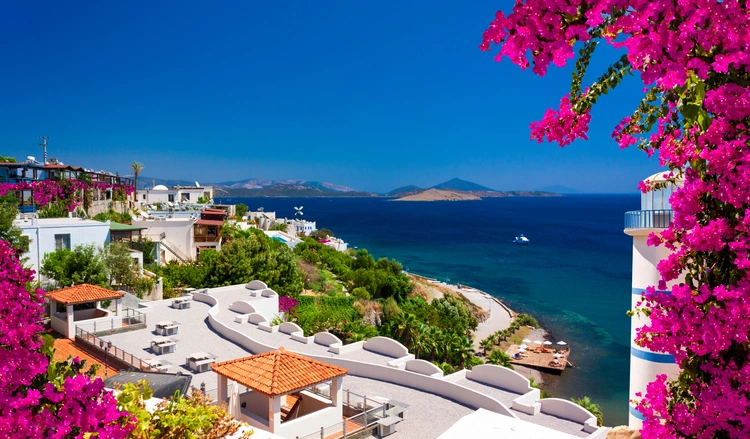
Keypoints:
pixel 372 95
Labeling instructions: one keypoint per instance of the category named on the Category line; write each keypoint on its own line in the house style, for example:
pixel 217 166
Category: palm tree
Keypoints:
pixel 486 344
pixel 591 406
pixel 136 167
pixel 463 350
pixel 405 329
pixel 500 358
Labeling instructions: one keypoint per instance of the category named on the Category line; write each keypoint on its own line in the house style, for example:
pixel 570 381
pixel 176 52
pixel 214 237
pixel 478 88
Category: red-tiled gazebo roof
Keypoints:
pixel 277 372
pixel 83 293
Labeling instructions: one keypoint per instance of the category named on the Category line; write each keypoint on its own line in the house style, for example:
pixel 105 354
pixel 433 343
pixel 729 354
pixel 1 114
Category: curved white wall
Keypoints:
pixel 423 367
pixel 290 328
pixel 501 377
pixel 449 390
pixel 256 285
pixel 242 307
pixel 386 346
pixel 326 339
pixel 565 409
pixel 256 318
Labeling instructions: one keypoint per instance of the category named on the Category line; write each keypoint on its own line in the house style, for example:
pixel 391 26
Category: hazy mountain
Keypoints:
pixel 287 191
pixel 405 190
pixel 457 184
pixel 253 184
pixel 561 189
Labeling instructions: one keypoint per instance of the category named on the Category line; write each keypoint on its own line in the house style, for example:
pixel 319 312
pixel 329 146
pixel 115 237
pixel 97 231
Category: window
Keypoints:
pixel 62 242
pixel 185 196
pixel 171 198
pixel 144 196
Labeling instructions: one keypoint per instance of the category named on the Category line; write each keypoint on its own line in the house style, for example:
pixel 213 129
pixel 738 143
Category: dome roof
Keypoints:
pixel 658 177
pixel 160 187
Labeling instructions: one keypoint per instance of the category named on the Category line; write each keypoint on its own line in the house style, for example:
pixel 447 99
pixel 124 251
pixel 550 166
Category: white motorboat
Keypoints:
pixel 520 239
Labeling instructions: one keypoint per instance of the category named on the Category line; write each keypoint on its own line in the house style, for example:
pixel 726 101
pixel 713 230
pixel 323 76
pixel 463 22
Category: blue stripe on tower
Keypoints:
pixel 637 414
pixel 653 357
pixel 641 291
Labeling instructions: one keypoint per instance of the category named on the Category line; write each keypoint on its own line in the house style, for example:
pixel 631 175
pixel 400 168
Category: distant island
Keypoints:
pixel 457 190
pixel 439 195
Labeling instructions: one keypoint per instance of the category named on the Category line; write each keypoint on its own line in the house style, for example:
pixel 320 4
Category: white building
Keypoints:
pixel 181 238
pixel 335 243
pixel 655 215
pixel 300 227
pixel 178 194
pixel 49 234
pixel 264 220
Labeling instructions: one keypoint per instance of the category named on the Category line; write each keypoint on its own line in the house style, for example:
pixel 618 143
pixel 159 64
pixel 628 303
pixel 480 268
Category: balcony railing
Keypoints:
pixel 648 219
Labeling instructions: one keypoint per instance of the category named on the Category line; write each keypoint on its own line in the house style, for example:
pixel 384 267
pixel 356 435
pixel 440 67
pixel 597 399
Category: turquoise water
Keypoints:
pixel 575 276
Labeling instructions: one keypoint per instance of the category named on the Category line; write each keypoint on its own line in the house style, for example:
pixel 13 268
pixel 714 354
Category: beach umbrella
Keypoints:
pixel 561 343
pixel 523 346
pixel 557 355
pixel 526 340
pixel 537 342
pixel 547 343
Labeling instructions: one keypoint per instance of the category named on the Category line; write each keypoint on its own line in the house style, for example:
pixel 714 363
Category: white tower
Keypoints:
pixel 654 216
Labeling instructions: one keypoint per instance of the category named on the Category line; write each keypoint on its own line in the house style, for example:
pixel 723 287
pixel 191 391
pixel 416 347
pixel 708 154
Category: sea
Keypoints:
pixel 574 277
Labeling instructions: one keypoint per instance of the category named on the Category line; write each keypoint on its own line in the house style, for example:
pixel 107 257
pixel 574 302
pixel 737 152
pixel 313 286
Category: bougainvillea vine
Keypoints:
pixel 693 58
pixel 40 398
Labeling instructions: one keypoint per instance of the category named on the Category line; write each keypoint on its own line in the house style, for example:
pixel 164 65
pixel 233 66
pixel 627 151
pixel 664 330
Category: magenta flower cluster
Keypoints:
pixel 287 304
pixel 32 405
pixel 693 57
pixel 70 191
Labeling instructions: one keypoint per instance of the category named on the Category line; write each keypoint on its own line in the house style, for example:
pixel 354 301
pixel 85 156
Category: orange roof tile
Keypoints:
pixel 277 372
pixel 65 347
pixel 83 293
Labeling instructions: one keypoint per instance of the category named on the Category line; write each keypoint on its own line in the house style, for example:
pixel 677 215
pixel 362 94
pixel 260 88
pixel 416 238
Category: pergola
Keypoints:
pixel 78 295
pixel 276 399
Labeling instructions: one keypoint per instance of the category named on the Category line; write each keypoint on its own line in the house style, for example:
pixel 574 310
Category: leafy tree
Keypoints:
pixel 405 328
pixel 112 215
pixel 8 232
pixel 451 312
pixel 148 248
pixel 281 227
pixel 240 210
pixel 361 293
pixel 321 234
pixel 137 168
pixel 591 406
pixel 194 417
pixel 5 159
pixel 120 265
pixel 500 358
pixel 78 266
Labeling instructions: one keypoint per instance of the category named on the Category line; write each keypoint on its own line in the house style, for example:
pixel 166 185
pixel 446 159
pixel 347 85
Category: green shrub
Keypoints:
pixel 361 293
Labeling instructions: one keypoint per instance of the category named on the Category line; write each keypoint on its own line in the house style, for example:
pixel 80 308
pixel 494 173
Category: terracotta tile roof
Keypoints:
pixel 277 372
pixel 65 347
pixel 206 222
pixel 83 293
